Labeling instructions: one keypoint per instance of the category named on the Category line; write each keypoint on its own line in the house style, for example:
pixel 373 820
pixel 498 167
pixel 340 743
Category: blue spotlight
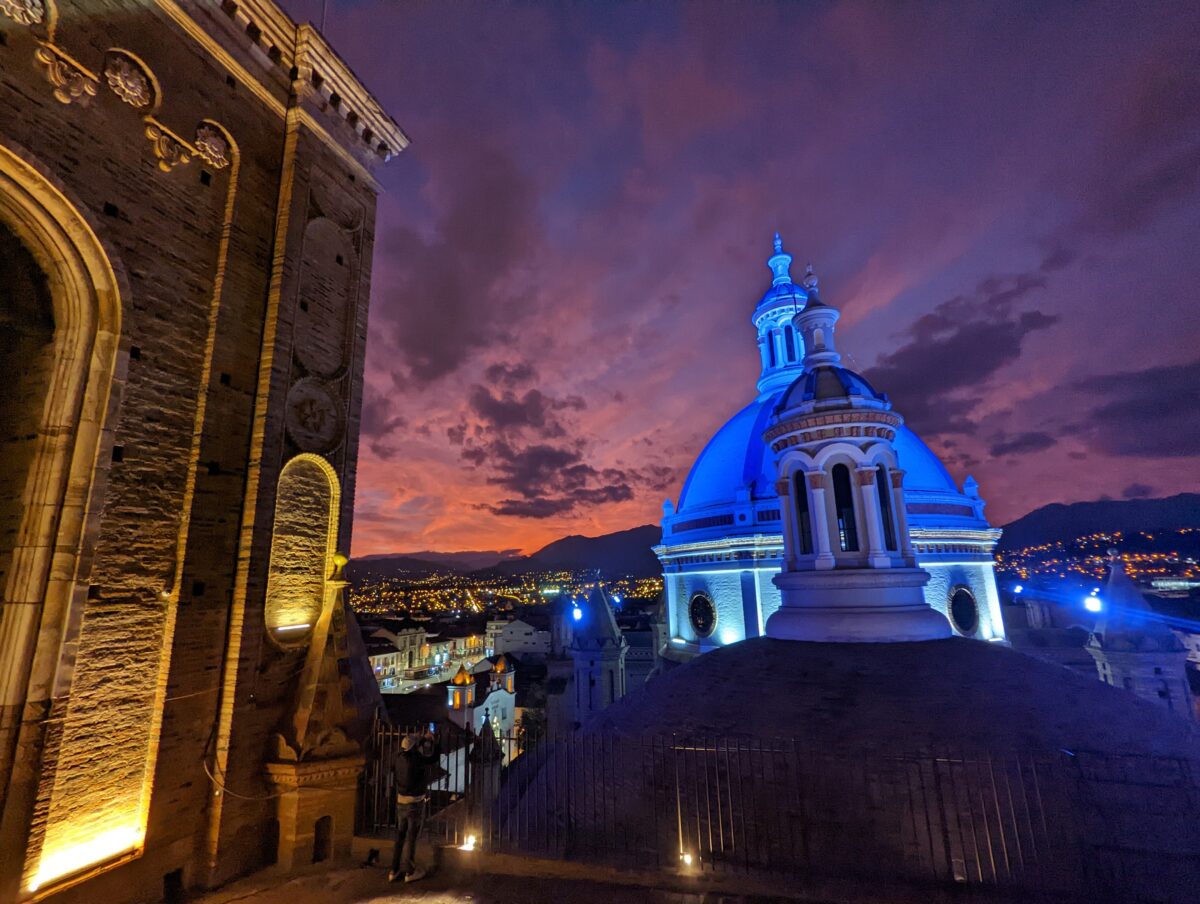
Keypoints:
pixel 1018 588
pixel 1092 603
pixel 577 613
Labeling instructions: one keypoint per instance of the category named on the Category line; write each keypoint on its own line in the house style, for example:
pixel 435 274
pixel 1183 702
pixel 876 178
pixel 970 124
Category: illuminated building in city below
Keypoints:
pixel 1134 649
pixel 723 544
pixel 598 650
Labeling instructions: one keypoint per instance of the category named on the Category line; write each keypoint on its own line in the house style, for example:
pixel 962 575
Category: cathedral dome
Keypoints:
pixel 737 458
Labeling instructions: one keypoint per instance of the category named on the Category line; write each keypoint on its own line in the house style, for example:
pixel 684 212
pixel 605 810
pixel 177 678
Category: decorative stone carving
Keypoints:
pixel 24 12
pixel 327 293
pixel 70 82
pixel 212 146
pixel 169 150
pixel 128 81
pixel 314 418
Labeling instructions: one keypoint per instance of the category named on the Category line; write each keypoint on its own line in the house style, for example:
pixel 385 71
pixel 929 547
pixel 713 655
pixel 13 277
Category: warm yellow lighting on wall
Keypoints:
pixel 76 856
pixel 302 547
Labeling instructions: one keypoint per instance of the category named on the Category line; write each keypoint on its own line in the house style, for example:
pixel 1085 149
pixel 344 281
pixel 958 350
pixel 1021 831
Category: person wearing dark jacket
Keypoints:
pixel 411 771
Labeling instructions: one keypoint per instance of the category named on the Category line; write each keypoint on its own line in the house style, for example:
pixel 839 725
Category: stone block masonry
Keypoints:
pixel 186 190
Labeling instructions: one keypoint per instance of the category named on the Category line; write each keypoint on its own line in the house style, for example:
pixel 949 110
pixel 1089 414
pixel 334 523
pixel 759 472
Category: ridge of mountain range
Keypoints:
pixel 629 551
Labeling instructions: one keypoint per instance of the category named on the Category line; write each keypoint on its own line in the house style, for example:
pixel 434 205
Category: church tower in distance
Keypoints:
pixel 1133 649
pixel 598 651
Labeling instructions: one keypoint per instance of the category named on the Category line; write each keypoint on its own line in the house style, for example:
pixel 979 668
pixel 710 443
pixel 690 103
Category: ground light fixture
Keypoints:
pixel 1092 603
pixel 468 844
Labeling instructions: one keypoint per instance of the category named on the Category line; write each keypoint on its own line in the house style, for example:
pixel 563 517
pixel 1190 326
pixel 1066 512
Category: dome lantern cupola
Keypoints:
pixel 849 574
pixel 779 345
pixel 816 325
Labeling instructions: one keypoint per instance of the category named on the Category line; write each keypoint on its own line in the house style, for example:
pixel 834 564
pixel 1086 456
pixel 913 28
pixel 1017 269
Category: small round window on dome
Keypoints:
pixel 703 615
pixel 964 614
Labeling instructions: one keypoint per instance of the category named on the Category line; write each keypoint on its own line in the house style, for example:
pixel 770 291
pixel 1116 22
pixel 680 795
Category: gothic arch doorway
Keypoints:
pixel 61 323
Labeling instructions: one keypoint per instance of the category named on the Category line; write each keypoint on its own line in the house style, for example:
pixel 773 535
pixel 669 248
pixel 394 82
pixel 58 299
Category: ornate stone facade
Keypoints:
pixel 187 203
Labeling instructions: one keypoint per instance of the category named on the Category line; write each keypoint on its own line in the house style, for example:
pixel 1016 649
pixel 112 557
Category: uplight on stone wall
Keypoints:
pixel 302 548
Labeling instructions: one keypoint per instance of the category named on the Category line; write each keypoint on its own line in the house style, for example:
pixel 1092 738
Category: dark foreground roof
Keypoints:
pixel 897 696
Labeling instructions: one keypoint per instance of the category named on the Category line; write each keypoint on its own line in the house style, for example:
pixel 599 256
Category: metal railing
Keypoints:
pixel 1073 824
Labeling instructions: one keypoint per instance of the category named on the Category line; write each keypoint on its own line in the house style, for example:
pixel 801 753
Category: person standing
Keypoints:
pixel 411 772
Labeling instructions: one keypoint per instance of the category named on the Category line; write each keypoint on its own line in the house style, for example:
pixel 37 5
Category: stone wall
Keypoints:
pixel 230 189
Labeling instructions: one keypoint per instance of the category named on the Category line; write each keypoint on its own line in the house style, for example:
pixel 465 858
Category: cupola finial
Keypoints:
pixel 810 278
pixel 780 263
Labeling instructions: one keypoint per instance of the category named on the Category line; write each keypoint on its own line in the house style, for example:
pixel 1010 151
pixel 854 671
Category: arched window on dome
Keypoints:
pixel 804 533
pixel 771 347
pixel 885 507
pixel 789 342
pixel 843 503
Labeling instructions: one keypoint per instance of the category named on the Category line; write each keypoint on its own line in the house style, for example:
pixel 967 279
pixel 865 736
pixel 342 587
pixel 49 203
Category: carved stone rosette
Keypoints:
pixel 24 12
pixel 70 82
pixel 169 150
pixel 128 81
pixel 314 416
pixel 212 146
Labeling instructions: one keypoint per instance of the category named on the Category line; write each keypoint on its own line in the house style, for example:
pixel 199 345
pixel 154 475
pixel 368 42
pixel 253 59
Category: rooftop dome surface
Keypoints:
pixel 787 292
pixel 897 697
pixel 737 457
pixel 828 382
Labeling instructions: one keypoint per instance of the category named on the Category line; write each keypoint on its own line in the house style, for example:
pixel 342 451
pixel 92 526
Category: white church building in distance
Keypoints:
pixel 722 545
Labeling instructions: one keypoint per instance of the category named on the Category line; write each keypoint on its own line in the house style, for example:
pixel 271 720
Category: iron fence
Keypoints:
pixel 1068 823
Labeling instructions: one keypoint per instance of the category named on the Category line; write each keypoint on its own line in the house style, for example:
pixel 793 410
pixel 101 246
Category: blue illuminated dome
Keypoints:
pixel 736 460
pixel 723 540
pixel 736 469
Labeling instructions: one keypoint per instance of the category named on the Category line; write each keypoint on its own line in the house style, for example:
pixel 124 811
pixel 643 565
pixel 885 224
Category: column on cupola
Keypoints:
pixel 900 513
pixel 868 498
pixel 787 511
pixel 820 521
pixel 764 352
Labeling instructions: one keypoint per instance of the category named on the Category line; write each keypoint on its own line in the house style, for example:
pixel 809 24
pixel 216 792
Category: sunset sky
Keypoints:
pixel 1002 198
